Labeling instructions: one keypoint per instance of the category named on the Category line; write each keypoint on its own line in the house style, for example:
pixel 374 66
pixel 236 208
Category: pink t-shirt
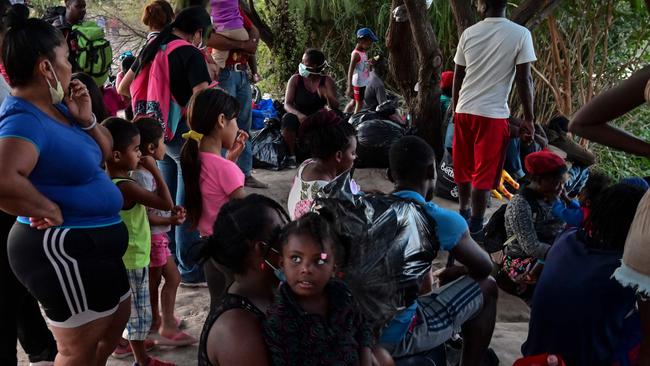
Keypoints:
pixel 218 180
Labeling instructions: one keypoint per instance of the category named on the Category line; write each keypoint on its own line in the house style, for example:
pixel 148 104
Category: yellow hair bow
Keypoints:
pixel 191 134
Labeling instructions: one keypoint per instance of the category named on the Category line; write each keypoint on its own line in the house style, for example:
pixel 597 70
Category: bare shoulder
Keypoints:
pixel 237 337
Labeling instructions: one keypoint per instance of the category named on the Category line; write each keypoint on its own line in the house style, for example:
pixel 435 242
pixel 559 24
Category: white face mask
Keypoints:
pixel 57 93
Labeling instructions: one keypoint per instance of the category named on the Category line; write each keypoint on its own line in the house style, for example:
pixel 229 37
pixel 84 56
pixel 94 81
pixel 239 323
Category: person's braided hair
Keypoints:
pixel 611 216
pixel 320 226
pixel 325 133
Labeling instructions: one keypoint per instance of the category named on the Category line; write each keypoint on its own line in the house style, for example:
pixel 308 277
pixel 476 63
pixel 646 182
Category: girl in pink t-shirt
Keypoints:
pixel 211 180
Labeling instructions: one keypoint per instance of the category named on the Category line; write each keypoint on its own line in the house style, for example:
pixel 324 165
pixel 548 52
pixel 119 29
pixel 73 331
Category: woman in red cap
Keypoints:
pixel 530 225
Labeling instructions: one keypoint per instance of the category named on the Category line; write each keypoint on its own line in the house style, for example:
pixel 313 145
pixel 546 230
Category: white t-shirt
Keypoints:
pixel 490 51
pixel 146 180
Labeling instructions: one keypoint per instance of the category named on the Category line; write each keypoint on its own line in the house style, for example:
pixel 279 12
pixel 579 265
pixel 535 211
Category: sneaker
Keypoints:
pixel 290 162
pixel 123 349
pixel 252 182
pixel 155 362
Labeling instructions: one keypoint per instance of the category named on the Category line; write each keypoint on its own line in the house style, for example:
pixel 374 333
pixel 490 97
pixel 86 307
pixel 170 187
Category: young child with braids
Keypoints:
pixel 314 320
pixel 333 146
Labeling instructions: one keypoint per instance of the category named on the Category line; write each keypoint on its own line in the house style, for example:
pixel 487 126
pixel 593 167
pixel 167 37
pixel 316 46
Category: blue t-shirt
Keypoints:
pixel 68 170
pixel 450 227
pixel 578 310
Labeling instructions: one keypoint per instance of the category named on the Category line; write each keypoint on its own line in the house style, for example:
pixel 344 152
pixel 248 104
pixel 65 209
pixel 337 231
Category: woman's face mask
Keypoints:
pixel 304 71
pixel 56 93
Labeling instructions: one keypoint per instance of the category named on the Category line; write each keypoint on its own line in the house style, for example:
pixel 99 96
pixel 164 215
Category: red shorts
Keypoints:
pixel 359 93
pixel 479 150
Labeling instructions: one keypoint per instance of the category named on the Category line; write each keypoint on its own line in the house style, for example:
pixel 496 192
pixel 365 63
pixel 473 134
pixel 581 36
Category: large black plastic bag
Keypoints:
pixel 374 139
pixel 391 245
pixel 269 149
pixel 446 187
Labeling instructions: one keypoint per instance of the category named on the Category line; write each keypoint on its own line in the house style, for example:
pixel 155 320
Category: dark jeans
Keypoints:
pixel 236 84
pixel 515 155
pixel 183 241
pixel 21 316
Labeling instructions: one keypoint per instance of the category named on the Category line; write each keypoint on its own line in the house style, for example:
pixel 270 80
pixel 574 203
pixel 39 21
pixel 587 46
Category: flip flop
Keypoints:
pixel 179 339
pixel 180 323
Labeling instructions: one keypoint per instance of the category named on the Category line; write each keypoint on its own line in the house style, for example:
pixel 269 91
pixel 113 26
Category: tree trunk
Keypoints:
pixel 464 14
pixel 415 57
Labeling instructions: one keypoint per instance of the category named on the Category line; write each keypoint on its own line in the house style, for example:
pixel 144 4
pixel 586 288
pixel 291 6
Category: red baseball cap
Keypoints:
pixel 544 162
pixel 446 79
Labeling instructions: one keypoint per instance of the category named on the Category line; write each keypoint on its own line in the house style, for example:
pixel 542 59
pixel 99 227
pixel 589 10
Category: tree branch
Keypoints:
pixel 266 34
pixel 532 12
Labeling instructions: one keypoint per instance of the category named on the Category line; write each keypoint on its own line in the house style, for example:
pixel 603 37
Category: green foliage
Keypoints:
pixel 618 164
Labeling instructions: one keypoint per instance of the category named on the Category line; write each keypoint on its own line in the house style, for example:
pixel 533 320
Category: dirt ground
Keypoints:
pixel 192 305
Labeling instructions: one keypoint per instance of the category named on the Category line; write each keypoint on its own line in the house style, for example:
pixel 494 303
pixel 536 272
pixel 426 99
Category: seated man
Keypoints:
pixel 580 158
pixel 520 146
pixel 467 295
pixel 375 90
pixel 579 311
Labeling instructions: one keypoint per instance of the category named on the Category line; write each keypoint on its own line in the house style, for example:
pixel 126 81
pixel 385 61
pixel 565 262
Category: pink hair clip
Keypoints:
pixel 323 256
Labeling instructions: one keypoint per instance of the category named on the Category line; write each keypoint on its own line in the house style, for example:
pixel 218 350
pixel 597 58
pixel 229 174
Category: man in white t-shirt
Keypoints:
pixel 491 55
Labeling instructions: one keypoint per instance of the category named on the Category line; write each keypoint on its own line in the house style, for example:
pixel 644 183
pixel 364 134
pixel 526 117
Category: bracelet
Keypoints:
pixel 93 124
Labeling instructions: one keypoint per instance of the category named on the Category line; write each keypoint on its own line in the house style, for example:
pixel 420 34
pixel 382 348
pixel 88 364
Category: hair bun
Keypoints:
pixel 17 16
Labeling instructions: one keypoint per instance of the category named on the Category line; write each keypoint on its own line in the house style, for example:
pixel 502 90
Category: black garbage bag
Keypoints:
pixel 269 149
pixel 391 245
pixel 374 139
pixel 445 185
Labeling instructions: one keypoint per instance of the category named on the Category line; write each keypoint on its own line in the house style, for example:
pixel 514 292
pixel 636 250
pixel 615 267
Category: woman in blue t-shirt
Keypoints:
pixel 67 244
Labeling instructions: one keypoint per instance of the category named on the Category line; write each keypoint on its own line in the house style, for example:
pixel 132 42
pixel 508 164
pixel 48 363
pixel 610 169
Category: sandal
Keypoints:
pixel 177 340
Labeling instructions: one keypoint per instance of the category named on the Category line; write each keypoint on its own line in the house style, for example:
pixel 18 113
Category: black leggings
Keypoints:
pixel 20 315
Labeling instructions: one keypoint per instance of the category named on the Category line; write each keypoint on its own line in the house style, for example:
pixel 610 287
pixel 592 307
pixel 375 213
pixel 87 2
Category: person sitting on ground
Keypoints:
pixel 375 93
pixel 437 316
pixel 592 122
pixel 575 212
pixel 520 145
pixel 308 92
pixel 580 158
pixel 247 229
pixel 314 320
pixel 333 145
pixel 579 311
pixel 530 225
